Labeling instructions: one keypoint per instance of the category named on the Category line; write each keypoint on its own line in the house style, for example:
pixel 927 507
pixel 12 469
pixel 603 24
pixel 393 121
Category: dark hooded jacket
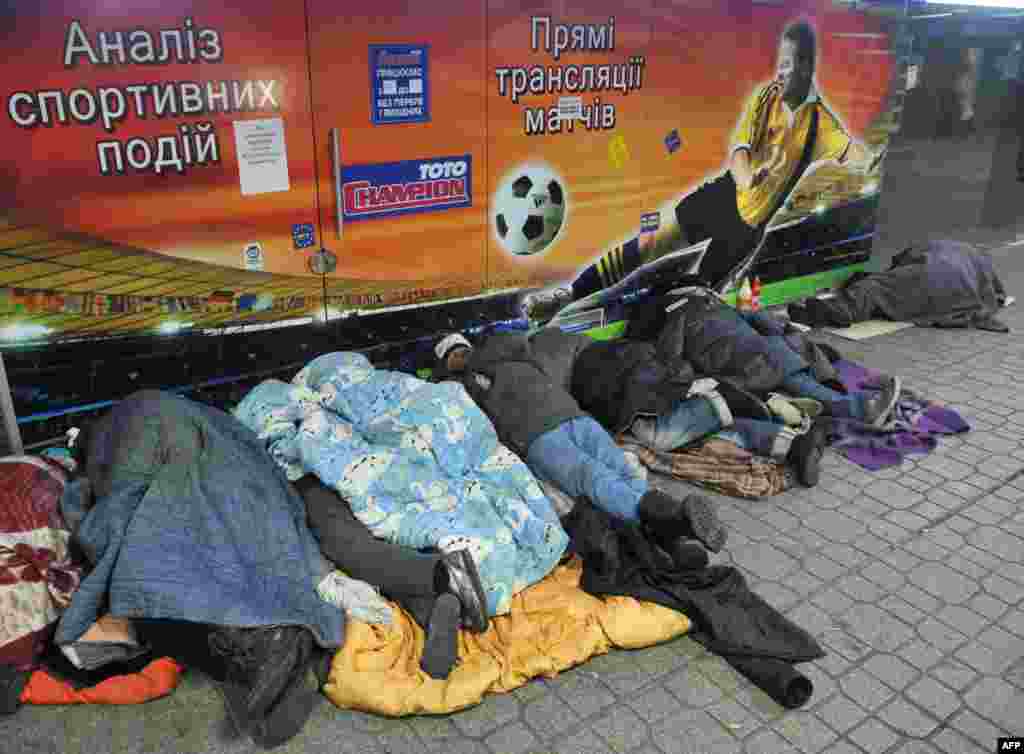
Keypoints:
pixel 522 383
pixel 935 283
pixel 617 381
pixel 753 351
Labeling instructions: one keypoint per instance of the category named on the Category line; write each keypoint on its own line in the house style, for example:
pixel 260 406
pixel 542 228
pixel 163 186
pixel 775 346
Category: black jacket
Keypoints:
pixel 521 383
pixel 730 620
pixel 618 380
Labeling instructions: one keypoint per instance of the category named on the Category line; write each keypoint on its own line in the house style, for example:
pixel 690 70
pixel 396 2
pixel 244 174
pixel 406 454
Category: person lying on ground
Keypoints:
pixel 522 384
pixel 629 388
pixel 756 352
pixel 439 590
pixel 935 283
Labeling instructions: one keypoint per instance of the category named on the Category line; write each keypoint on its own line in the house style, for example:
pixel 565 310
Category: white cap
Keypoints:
pixel 452 341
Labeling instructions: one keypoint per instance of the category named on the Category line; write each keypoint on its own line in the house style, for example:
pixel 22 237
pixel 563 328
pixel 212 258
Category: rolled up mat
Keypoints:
pixel 777 678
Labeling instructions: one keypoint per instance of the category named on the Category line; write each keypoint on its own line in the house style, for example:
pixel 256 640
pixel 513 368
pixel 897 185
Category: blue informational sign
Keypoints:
pixel 303 235
pixel 399 84
pixel 386 189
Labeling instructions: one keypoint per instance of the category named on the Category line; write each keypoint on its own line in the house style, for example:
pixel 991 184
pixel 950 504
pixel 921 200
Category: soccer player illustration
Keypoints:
pixel 784 129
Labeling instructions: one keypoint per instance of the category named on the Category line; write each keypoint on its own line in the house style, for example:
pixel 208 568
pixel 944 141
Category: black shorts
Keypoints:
pixel 711 212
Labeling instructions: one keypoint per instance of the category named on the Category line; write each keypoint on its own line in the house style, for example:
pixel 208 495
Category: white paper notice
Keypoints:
pixel 262 157
pixel 570 108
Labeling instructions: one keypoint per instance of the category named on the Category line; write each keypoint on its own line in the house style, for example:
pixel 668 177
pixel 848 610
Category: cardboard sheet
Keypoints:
pixel 870 329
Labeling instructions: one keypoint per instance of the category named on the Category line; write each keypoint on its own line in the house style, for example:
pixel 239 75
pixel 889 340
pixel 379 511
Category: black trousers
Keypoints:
pixel 401 573
pixel 711 212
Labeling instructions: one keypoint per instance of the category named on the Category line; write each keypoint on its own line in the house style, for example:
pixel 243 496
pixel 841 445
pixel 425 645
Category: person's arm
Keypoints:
pixel 740 164
pixel 835 144
pixel 741 168
pixel 862 159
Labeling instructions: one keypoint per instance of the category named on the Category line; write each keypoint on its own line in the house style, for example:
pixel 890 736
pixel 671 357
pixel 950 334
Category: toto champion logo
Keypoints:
pixel 386 189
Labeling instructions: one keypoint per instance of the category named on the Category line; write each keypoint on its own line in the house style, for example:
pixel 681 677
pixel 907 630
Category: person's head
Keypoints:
pixel 457 358
pixel 795 66
pixel 453 351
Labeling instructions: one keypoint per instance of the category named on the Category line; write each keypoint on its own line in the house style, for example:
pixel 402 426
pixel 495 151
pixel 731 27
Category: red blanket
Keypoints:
pixel 37 577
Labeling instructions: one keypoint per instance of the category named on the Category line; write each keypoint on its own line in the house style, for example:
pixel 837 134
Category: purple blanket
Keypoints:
pixel 914 427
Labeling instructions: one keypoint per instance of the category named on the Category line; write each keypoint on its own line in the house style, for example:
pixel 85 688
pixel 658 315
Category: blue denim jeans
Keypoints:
pixel 689 421
pixel 696 418
pixel 582 460
pixel 763 438
pixel 803 385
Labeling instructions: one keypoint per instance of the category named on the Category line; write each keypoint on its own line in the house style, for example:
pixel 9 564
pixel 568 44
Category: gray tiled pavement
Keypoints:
pixel 912 578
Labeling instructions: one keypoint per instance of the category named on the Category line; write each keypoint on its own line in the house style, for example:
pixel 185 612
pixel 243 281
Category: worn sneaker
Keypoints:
pixel 462 579
pixel 793 411
pixel 258 664
pixel 544 304
pixel 441 646
pixel 877 408
pixel 687 555
pixel 292 709
pixel 805 454
pixel 694 517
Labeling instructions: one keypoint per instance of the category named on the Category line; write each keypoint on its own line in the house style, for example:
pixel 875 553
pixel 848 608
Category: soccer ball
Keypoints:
pixel 528 209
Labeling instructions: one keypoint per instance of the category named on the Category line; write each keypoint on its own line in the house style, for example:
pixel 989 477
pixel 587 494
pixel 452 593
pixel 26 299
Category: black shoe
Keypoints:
pixel 693 517
pixel 878 407
pixel 441 648
pixel 593 537
pixel 742 403
pixel 805 454
pixel 462 579
pixel 687 555
pixel 704 522
pixel 258 663
pixel 290 711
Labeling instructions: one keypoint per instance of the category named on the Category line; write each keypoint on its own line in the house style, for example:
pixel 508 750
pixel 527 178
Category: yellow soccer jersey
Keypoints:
pixel 768 126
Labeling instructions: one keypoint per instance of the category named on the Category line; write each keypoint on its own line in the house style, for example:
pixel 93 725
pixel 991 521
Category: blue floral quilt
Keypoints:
pixel 419 463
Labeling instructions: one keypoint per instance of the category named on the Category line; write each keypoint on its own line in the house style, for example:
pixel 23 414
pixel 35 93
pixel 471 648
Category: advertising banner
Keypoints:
pixel 180 151
pixel 689 120
pixel 405 187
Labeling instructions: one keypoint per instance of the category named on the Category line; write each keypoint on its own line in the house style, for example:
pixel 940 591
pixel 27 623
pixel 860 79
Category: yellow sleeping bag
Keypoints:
pixel 553 625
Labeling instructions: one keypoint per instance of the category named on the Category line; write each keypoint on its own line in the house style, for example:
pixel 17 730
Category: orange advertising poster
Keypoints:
pixel 181 164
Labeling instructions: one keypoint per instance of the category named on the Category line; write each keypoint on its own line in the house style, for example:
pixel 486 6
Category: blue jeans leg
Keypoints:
pixel 840 405
pixel 581 458
pixel 764 438
pixel 690 420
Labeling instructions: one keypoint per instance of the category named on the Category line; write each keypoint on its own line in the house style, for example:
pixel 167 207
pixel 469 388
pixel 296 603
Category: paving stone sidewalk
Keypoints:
pixel 912 578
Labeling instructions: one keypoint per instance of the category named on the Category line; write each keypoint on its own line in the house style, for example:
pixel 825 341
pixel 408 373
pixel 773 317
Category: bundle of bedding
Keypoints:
pixel 37 573
pixel 182 516
pixel 937 283
pixel 913 429
pixel 549 627
pixel 718 465
pixel 419 463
